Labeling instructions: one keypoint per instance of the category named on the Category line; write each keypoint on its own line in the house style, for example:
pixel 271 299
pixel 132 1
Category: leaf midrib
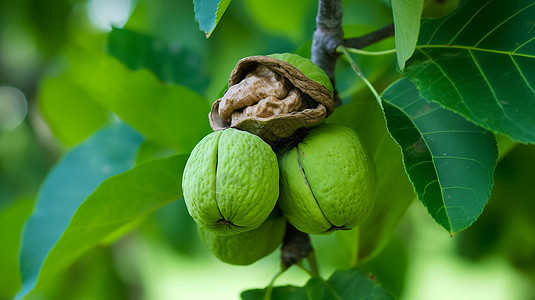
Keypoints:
pixel 432 161
pixel 472 48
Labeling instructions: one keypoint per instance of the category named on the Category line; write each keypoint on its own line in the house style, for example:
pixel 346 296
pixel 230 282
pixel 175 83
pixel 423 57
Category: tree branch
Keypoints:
pixel 370 38
pixel 327 36
pixel 295 246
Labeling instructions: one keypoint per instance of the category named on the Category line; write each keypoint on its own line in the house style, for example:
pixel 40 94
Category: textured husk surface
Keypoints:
pixel 317 103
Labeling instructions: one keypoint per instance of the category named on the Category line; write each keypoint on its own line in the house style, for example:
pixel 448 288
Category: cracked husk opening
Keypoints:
pixel 270 98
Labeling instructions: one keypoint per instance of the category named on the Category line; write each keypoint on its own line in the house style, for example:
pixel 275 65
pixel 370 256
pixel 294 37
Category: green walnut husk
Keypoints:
pixel 247 247
pixel 274 96
pixel 327 181
pixel 231 182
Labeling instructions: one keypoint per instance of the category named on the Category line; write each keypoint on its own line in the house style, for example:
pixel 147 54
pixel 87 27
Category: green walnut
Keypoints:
pixel 327 181
pixel 247 247
pixel 231 182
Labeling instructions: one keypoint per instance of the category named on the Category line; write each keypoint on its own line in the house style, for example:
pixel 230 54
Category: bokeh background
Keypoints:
pixel 162 258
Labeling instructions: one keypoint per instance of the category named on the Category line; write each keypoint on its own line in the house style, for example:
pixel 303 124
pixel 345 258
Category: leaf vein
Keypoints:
pixel 476 49
pixel 527 42
pixel 450 80
pixel 505 21
pixel 468 22
pixel 522 74
pixel 461 158
pixel 495 97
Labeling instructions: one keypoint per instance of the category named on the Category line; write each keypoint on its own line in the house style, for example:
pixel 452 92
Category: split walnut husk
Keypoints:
pixel 274 97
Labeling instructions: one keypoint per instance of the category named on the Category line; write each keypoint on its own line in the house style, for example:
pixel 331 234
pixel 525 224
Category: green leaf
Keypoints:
pixel 108 152
pixel 449 160
pixel 69 111
pixel 506 228
pixel 298 15
pixel 288 292
pixel 126 198
pixel 407 14
pixel 93 276
pixel 12 218
pixel 479 62
pixel 350 284
pixel 357 285
pixel 208 13
pixel 171 62
pixel 173 116
pixel 390 267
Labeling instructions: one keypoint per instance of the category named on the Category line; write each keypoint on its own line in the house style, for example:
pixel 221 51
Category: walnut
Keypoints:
pixel 272 98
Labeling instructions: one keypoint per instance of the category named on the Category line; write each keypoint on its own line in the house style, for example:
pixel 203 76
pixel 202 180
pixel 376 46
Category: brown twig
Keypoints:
pixel 295 247
pixel 370 38
pixel 327 36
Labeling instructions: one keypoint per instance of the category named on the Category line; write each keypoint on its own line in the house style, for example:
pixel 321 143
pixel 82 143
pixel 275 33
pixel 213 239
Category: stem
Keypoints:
pixel 313 264
pixel 357 241
pixel 300 265
pixel 327 36
pixel 363 52
pixel 359 73
pixel 269 290
pixel 370 38
pixel 295 246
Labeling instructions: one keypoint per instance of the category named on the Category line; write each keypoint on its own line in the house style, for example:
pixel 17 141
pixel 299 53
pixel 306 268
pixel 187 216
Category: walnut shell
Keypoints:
pixel 273 96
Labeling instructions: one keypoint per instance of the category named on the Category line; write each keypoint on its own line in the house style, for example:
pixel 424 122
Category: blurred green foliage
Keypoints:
pixel 506 228
pixel 49 50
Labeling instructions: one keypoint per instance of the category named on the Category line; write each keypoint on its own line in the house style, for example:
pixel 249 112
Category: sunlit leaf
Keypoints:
pixel 12 218
pixel 171 62
pixel 173 116
pixel 407 14
pixel 114 204
pixel 449 160
pixel 69 111
pixel 479 61
pixel 108 152
pixel 208 13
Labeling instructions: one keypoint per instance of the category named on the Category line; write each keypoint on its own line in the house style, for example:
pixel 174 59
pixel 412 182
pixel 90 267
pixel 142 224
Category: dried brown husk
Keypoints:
pixel 260 110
